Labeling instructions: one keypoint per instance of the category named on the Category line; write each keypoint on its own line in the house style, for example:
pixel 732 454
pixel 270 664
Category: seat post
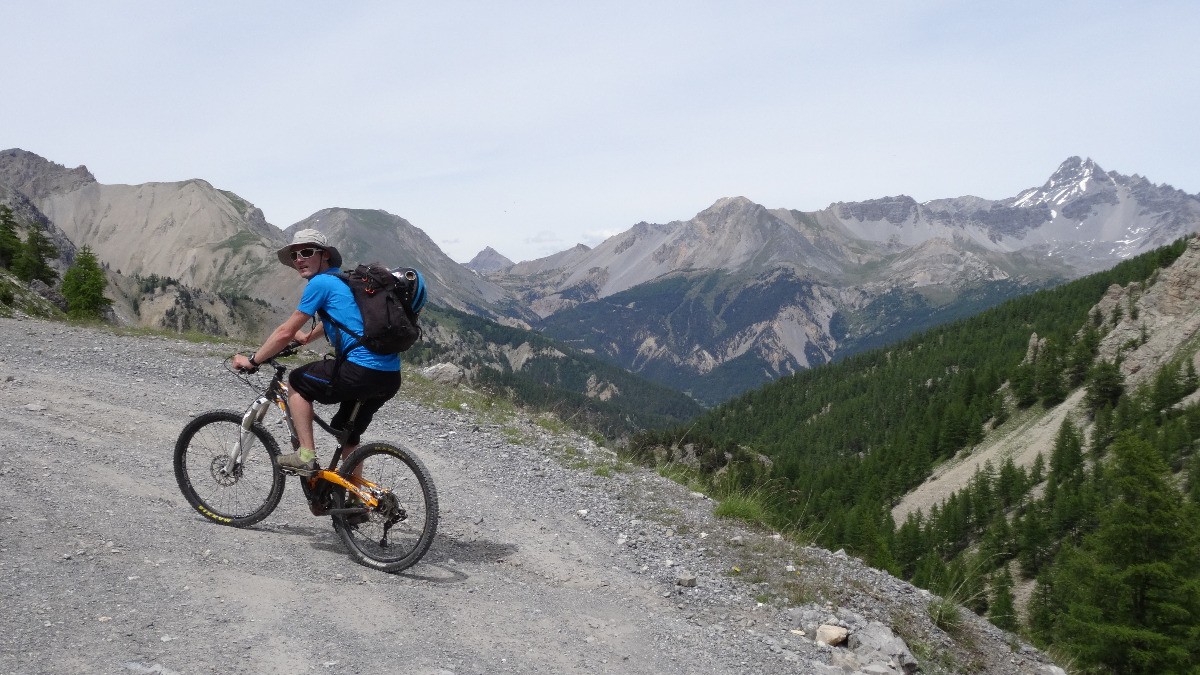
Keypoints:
pixel 344 434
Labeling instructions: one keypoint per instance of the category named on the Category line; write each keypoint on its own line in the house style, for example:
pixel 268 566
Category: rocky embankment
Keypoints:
pixel 552 556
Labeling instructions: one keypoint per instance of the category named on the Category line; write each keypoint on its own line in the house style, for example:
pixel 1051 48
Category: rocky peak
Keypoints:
pixel 37 177
pixel 488 260
pixel 729 212
pixel 894 210
pixel 367 235
pixel 725 206
pixel 1073 179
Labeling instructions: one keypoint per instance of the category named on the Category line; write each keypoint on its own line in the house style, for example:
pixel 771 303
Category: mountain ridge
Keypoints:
pixel 933 255
pixel 841 278
pixel 374 235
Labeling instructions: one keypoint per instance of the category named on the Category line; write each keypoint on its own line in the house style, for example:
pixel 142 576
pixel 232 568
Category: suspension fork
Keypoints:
pixel 240 452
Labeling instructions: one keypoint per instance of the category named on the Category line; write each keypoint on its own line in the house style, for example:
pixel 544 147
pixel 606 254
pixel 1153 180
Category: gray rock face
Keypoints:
pixel 187 230
pixel 488 260
pixel 1157 319
pixel 445 373
pixel 367 235
pixel 877 643
pixel 38 178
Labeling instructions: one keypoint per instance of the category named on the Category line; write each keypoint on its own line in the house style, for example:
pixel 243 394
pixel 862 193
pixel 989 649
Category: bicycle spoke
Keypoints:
pixel 397 533
pixel 241 496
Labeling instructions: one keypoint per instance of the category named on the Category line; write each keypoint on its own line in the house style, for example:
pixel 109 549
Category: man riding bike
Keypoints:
pixel 362 376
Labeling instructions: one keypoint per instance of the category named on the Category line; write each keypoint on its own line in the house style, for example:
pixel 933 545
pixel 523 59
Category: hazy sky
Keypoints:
pixel 534 126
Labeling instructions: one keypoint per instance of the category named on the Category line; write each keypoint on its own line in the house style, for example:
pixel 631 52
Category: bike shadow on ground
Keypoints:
pixel 445 560
pixel 448 553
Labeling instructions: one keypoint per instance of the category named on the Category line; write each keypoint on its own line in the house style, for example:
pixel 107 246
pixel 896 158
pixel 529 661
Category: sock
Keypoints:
pixel 307 454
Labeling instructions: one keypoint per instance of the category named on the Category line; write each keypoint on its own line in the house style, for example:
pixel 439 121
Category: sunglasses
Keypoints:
pixel 304 253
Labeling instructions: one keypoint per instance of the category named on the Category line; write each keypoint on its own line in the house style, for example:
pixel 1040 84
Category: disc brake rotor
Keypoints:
pixel 217 469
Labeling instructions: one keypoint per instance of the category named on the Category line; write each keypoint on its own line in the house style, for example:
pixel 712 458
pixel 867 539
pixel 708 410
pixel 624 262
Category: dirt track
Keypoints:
pixel 106 568
pixel 542 564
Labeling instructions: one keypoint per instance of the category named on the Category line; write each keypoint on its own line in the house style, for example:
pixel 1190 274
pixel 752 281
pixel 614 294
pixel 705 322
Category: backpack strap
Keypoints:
pixel 358 339
pixel 341 327
pixel 340 356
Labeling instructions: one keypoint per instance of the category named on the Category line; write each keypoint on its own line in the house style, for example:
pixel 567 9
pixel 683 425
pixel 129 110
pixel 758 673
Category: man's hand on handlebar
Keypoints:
pixel 241 362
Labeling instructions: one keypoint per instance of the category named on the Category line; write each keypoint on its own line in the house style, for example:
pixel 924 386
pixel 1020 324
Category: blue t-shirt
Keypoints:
pixel 327 292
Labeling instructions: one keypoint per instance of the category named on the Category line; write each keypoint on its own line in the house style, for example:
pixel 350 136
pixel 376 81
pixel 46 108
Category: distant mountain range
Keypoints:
pixel 741 294
pixel 736 296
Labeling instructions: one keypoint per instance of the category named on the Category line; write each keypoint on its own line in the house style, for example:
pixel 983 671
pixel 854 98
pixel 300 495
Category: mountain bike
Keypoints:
pixel 381 499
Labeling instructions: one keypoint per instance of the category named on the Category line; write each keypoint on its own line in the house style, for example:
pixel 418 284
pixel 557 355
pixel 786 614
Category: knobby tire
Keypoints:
pixel 238 500
pixel 398 470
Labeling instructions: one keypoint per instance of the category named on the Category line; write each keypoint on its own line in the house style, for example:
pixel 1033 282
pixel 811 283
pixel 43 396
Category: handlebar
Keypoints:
pixel 291 348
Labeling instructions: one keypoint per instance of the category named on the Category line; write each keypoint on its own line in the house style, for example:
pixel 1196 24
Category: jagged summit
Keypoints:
pixel 488 260
pixel 37 177
pixel 730 211
pixel 724 204
pixel 1074 178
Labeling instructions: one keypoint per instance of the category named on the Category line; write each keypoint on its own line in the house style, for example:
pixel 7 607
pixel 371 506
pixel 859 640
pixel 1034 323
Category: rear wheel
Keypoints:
pixel 394 535
pixel 238 494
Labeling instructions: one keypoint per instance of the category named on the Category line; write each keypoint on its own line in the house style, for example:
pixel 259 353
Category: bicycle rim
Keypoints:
pixel 240 497
pixel 394 536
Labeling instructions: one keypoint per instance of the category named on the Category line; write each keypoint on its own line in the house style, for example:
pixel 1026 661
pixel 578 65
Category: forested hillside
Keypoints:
pixel 1106 524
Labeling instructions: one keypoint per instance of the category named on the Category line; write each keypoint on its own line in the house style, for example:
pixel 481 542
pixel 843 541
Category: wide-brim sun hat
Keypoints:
pixel 309 238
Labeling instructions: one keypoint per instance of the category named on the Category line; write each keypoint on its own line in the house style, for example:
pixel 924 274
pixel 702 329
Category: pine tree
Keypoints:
pixel 1103 431
pixel 1024 385
pixel 1166 389
pixel 1066 460
pixel 10 244
pixel 1193 483
pixel 1045 608
pixel 1010 483
pixel 997 544
pixel 30 262
pixel 83 287
pixel 1034 541
pixel 1134 601
pixel 1191 381
pixel 1048 376
pixel 1002 611
pixel 1080 356
pixel 910 545
pixel 931 571
pixel 1037 472
pixel 1105 385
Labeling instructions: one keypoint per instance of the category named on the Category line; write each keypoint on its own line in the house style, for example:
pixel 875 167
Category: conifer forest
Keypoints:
pixel 1105 530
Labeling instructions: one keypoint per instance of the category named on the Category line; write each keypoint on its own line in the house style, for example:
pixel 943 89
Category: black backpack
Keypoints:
pixel 390 302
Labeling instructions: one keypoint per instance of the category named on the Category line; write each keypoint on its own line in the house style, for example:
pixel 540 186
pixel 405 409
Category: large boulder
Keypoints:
pixel 876 643
pixel 445 373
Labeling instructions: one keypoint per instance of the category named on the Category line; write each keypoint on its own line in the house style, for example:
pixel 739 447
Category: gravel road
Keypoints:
pixel 541 564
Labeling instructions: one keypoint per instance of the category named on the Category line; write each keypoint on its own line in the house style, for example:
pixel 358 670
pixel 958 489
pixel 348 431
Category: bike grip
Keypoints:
pixel 251 370
pixel 291 348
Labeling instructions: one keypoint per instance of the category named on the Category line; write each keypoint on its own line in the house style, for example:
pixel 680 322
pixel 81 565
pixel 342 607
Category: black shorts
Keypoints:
pixel 353 383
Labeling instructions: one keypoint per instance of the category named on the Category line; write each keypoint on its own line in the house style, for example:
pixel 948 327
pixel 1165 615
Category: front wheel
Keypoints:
pixel 395 534
pixel 222 489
